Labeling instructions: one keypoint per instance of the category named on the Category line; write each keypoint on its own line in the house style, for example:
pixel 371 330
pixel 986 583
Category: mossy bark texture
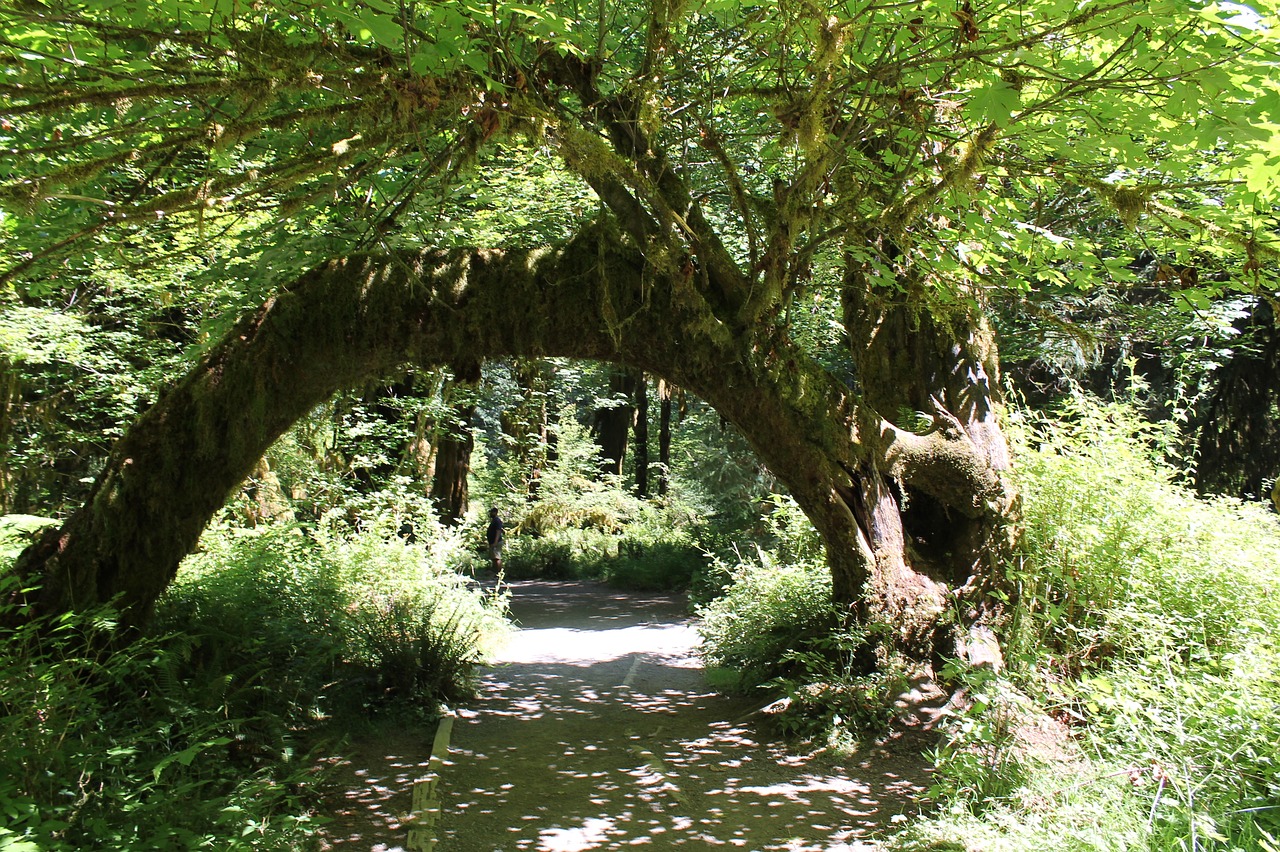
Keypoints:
pixel 595 298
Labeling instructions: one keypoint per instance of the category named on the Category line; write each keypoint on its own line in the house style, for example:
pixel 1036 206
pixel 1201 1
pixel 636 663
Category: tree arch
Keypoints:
pixel 595 297
pixel 903 163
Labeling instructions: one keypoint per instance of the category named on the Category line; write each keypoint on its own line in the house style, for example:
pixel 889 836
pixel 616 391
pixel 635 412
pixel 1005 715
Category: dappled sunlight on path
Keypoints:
pixel 595 730
pixel 372 812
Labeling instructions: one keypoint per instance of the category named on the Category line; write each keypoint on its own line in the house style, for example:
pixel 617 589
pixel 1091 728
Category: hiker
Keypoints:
pixel 495 537
pixel 407 532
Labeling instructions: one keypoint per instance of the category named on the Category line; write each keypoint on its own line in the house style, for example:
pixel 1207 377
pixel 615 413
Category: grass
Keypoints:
pixel 1148 625
pixel 196 736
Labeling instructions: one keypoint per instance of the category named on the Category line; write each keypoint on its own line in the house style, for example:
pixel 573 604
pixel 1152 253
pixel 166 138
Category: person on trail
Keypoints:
pixel 495 537
pixel 407 532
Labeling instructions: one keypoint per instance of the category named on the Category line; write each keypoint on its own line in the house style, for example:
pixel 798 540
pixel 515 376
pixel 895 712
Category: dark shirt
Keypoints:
pixel 495 531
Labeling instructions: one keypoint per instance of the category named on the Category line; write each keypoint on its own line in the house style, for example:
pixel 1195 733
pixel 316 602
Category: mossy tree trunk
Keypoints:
pixel 939 378
pixel 365 316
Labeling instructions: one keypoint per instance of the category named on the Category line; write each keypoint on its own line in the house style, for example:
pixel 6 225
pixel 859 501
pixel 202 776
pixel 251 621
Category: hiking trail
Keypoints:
pixel 594 729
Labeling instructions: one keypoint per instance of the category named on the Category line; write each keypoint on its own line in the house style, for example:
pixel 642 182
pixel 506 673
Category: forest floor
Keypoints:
pixel 595 729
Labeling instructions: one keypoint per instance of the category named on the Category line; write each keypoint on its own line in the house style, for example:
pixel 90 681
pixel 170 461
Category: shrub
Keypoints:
pixel 766 611
pixel 338 607
pixel 118 750
pixel 188 737
pixel 1150 615
pixel 413 647
pixel 1147 620
pixel 772 623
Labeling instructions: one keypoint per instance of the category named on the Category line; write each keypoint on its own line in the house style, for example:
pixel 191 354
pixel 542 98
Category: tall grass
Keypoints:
pixel 195 736
pixel 1148 625
pixel 122 751
pixel 1158 617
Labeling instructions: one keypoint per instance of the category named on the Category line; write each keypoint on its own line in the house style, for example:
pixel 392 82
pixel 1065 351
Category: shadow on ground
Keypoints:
pixel 595 730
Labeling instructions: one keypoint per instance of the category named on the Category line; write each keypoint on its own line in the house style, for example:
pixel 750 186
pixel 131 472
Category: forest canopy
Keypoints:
pixel 807 216
pixel 286 286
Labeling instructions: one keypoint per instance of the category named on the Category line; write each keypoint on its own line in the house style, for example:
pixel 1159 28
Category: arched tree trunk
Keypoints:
pixel 365 316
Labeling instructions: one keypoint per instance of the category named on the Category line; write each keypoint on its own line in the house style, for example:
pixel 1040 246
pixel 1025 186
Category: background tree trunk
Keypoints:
pixel 454 446
pixel 664 437
pixel 613 421
pixel 642 436
pixel 528 423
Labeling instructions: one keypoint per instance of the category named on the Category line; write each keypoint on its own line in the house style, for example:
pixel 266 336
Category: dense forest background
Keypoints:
pixel 909 342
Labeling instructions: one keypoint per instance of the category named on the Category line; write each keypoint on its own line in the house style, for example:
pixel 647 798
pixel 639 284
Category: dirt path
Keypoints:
pixel 595 730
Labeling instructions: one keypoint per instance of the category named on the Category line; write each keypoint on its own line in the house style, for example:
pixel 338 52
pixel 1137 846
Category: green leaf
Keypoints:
pixel 993 104
pixel 1262 174
pixel 384 29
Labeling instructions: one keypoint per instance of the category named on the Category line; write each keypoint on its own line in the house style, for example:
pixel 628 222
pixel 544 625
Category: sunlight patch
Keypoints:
pixel 592 833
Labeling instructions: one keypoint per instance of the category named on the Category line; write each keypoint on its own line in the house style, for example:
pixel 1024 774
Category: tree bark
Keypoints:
pixel 449 485
pixel 937 379
pixel 664 437
pixel 367 316
pixel 613 422
pixel 642 436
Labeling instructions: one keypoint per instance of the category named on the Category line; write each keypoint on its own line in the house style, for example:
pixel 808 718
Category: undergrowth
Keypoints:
pixel 1147 626
pixel 1140 705
pixel 197 734
pixel 769 625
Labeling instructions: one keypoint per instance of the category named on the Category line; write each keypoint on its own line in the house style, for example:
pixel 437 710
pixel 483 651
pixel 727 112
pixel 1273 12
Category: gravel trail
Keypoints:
pixel 594 730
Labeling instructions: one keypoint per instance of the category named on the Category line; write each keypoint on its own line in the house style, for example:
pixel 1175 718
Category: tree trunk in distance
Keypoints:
pixel 613 422
pixel 528 423
pixel 642 435
pixel 449 490
pixel 664 437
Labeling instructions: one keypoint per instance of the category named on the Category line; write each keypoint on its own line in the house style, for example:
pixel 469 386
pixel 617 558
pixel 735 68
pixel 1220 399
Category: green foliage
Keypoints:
pixel 767 611
pixel 1124 562
pixel 331 611
pixel 121 750
pixel 1149 623
pixel 414 647
pixel 979 763
pixel 769 622
pixel 655 548
pixel 834 689
pixel 580 523
pixel 194 736
pixel 18 531
pixel 71 379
